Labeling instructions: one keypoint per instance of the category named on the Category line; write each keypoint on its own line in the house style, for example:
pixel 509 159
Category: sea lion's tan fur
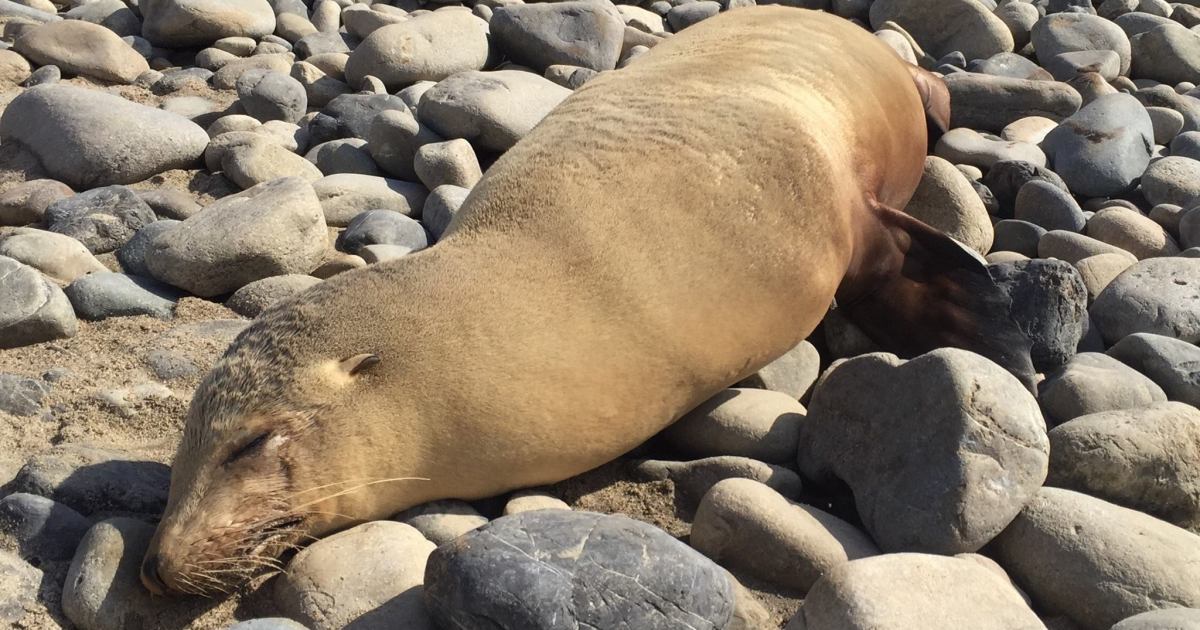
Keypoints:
pixel 665 232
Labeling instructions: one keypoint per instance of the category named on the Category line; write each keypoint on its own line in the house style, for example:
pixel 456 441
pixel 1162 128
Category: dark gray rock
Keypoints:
pixel 99 296
pixel 46 75
pixel 350 116
pixel 324 43
pixel 946 491
pixel 103 219
pixel 556 568
pixel 1164 96
pixel 577 33
pixel 1006 178
pixel 1048 303
pixel 684 15
pixel 1017 236
pixel 1135 23
pixel 1068 65
pixel 1172 364
pixel 1102 150
pixel 440 207
pixel 41 528
pixel 1044 204
pixel 132 255
pixel 32 309
pixel 21 396
pixel 92 479
pixel 989 103
pixel 1187 144
pixel 382 226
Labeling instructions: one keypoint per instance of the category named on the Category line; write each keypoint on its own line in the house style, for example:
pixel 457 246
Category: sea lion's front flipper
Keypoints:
pixel 917 289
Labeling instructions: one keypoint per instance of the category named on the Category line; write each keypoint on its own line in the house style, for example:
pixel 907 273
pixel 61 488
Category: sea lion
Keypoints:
pixel 668 230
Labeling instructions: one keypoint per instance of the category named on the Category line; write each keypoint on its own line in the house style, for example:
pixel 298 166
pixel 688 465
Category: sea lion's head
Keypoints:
pixel 256 472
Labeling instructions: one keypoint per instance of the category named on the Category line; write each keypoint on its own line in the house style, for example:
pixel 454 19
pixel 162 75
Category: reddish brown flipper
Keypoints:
pixel 924 290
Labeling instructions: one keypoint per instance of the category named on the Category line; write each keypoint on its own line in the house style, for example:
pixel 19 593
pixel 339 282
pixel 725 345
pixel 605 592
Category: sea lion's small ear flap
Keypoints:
pixel 936 99
pixel 351 366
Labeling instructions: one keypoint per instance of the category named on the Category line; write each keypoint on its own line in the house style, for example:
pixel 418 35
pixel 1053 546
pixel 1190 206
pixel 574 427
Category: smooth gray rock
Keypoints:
pixel 88 138
pixel 1072 247
pixel 103 219
pixel 190 23
pixel 170 203
pixel 1044 204
pixel 132 255
pixel 577 33
pixel 945 200
pixel 347 195
pixel 1006 178
pixel 382 226
pixel 345 155
pixel 1132 231
pixel 269 95
pixel 684 15
pixel 967 146
pixel 899 591
pixel 1101 150
pixel 946 26
pixel 427 47
pixel 1146 459
pixel 1017 236
pixel 82 48
pixel 440 207
pixel 20 396
pixel 1068 65
pixel 1169 53
pixel 255 297
pixel 1174 180
pixel 694 479
pixel 268 623
pixel 493 110
pixel 32 309
pixel 442 521
pixel 1172 364
pixel 1091 383
pixel 746 526
pixel 1073 32
pixel 558 568
pixel 93 479
pixel 793 373
pixel 393 140
pixel 99 296
pixel 42 529
pixel 19 585
pixel 949 491
pixel 1162 619
pixel 58 256
pixel 269 230
pixel 366 577
pixel 1009 65
pixel 451 162
pixel 1096 562
pixel 989 103
pixel 754 423
pixel 1157 295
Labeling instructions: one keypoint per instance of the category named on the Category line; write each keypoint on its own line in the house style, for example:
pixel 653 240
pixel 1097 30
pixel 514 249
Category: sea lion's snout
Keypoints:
pixel 150 577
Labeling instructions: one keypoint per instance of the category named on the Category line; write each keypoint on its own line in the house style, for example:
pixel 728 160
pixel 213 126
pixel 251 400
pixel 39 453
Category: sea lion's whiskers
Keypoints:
pixel 357 488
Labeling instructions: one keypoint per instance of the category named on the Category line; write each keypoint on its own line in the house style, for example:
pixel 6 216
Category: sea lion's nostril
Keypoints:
pixel 150 576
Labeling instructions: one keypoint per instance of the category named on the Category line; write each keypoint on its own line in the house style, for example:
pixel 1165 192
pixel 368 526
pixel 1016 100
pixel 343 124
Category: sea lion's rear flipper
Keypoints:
pixel 916 289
